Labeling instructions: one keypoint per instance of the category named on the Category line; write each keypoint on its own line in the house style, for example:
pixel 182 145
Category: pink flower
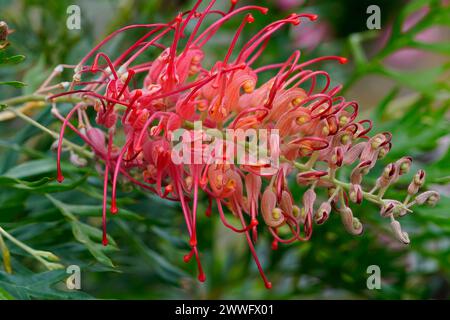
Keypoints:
pixel 135 129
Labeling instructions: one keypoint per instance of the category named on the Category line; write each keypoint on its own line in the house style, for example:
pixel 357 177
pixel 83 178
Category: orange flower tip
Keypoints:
pixel 250 18
pixel 186 258
pixel 179 18
pixel 60 178
pixel 268 284
pixel 343 60
pixel 105 241
pixel 264 10
pixel 234 2
pixel 313 17
pixel 253 223
pixel 201 277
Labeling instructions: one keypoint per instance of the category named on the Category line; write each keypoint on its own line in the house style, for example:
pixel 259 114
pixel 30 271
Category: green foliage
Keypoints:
pixel 35 286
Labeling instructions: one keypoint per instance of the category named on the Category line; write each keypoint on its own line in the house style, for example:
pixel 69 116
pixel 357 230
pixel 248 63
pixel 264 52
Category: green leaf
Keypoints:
pixel 381 108
pixel 32 168
pixel 12 60
pixel 85 234
pixel 166 270
pixel 35 76
pixel 424 81
pixel 96 211
pixel 37 286
pixel 4 295
pixel 3 106
pixel 438 47
pixel 44 185
pixel 16 84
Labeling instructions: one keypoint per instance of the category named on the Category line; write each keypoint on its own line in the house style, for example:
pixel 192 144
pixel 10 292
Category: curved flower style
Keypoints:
pixel 136 120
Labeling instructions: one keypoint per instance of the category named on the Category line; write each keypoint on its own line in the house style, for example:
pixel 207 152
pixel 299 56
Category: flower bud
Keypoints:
pixel 419 178
pixel 355 193
pixel 376 141
pixel 389 171
pixel 351 224
pixel 387 209
pixel 428 197
pixel 361 169
pixel 4 31
pixel 97 138
pixel 383 151
pixel 399 234
pixel 77 161
pixel 403 165
pixel 413 188
pixel 323 213
pixel 337 157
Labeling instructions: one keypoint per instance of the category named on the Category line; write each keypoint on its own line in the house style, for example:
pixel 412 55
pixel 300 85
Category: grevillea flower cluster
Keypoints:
pixel 138 104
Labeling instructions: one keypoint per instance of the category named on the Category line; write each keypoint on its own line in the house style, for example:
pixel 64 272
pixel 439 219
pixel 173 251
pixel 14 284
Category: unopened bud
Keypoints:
pixel 77 161
pixel 387 209
pixel 419 178
pixel 322 213
pixel 399 234
pixel 404 168
pixel 428 197
pixel 4 31
pixel 351 224
pixel 355 193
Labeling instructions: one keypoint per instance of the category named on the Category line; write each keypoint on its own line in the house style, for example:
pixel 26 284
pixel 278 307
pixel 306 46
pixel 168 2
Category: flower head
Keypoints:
pixel 135 127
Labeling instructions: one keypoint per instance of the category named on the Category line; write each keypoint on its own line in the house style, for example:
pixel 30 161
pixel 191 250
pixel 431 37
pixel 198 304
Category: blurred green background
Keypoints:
pixel 400 77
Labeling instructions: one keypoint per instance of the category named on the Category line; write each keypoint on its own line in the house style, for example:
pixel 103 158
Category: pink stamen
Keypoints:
pixel 60 177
